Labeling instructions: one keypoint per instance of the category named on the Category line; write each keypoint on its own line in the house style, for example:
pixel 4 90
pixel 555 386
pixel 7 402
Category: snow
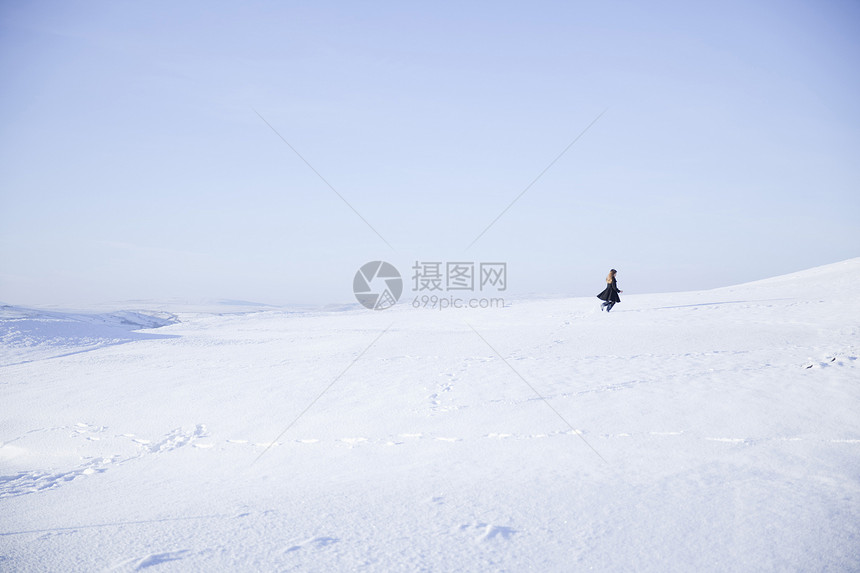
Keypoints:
pixel 698 431
pixel 29 334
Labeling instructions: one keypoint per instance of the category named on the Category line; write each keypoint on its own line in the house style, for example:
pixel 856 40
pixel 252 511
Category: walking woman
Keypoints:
pixel 610 293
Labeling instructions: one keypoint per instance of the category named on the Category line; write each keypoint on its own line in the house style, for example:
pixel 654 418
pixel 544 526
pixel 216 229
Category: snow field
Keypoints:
pixel 725 425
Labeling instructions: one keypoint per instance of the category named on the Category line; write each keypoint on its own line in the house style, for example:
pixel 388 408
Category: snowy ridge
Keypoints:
pixel 30 334
pixel 825 280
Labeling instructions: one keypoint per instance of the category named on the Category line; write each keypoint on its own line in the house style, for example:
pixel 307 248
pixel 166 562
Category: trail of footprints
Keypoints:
pixel 306 547
pixel 35 481
pixel 412 438
pixel 837 359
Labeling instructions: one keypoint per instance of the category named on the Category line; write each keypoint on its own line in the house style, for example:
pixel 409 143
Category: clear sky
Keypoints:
pixel 133 164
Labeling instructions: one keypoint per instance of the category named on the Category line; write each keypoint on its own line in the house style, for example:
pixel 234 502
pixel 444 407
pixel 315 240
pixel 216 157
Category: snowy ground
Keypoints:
pixel 714 431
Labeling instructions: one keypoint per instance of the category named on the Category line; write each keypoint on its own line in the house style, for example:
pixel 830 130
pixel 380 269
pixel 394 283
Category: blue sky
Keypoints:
pixel 133 164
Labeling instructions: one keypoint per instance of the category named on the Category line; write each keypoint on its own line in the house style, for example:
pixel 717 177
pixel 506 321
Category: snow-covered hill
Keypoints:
pixel 699 431
pixel 29 334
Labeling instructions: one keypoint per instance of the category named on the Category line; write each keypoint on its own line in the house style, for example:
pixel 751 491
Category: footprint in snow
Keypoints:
pixel 488 531
pixel 84 429
pixel 172 440
pixel 141 563
pixel 37 481
pixel 178 438
pixel 313 543
pixel 159 558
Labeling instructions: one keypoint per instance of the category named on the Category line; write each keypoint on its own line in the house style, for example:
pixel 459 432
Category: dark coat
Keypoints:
pixel 610 293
